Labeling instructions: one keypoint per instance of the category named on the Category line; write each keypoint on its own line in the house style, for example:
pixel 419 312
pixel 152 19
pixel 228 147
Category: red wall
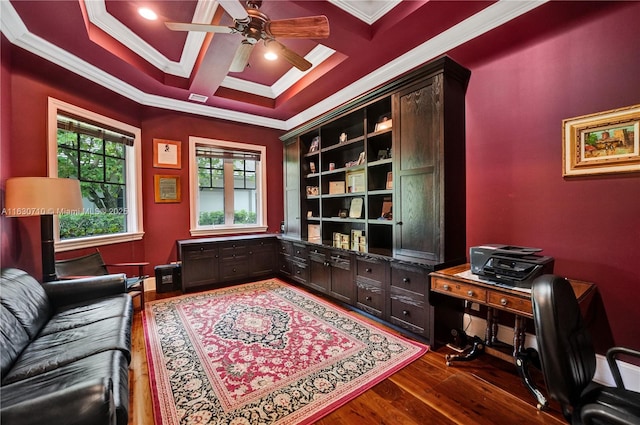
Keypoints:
pixel 515 190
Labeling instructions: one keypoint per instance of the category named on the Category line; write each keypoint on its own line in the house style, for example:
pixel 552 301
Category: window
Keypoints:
pixel 104 155
pixel 227 187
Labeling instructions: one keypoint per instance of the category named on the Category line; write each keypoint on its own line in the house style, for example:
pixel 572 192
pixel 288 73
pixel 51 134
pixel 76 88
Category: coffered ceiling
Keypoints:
pixel 370 43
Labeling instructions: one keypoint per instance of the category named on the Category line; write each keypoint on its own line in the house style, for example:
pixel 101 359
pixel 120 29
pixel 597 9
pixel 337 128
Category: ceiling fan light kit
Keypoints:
pixel 254 26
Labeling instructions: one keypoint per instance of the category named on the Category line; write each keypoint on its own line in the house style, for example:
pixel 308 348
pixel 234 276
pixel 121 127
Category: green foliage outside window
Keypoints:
pixel 212 218
pixel 100 166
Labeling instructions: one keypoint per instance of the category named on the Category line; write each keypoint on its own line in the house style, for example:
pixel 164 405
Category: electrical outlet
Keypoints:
pixel 475 306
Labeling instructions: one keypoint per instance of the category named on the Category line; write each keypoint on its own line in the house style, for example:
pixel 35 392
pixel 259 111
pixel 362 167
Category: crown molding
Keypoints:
pixel 367 11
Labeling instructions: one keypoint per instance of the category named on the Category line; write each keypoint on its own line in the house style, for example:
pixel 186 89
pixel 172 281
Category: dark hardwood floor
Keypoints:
pixel 485 391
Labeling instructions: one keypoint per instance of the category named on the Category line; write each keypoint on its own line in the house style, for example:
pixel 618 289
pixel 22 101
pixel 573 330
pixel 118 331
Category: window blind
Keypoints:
pixel 69 122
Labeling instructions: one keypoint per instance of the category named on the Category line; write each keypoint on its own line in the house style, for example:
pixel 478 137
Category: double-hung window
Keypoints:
pixel 104 155
pixel 227 187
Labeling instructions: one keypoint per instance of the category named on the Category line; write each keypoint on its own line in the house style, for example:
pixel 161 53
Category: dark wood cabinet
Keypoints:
pixel 214 262
pixel 381 179
pixel 203 266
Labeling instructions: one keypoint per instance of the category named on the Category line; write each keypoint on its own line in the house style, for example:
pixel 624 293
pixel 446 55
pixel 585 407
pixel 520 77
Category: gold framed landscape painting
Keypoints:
pixel 602 143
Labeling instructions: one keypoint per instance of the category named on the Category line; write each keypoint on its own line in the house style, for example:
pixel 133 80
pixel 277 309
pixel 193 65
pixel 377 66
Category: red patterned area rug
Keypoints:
pixel 262 353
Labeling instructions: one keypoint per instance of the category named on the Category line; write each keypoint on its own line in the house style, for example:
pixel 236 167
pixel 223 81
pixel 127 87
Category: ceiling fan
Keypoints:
pixel 255 26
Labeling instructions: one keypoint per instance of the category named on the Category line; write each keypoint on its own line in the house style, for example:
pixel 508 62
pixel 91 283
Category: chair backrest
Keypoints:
pixel 566 352
pixel 87 265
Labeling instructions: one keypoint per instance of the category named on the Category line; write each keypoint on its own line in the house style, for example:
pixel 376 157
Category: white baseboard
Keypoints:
pixel 630 373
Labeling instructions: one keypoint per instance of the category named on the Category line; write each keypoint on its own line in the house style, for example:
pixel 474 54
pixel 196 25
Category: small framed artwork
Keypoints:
pixel 355 210
pixel 384 123
pixel 355 181
pixel 361 158
pixel 315 144
pixel 166 188
pixel 312 167
pixel 167 154
pixel 602 143
pixel 389 184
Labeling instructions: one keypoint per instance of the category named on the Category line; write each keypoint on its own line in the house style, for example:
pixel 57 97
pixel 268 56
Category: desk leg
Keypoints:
pixel 518 335
pixel 523 360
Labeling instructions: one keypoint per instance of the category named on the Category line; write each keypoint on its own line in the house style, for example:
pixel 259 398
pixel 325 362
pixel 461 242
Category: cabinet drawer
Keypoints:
pixel 300 252
pixel 199 252
pixel 408 307
pixel 415 280
pixel 509 302
pixel 340 260
pixel 232 270
pixel 300 272
pixel 460 290
pixel 286 247
pixel 375 270
pixel 370 296
pixel 318 255
pixel 231 251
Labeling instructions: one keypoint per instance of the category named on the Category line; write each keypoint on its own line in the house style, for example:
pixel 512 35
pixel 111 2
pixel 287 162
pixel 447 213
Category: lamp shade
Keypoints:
pixel 28 196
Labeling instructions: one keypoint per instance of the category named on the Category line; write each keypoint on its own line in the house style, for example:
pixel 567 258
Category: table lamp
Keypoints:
pixel 43 196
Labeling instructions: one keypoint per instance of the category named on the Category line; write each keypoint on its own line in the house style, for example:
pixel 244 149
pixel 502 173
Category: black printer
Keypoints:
pixel 510 265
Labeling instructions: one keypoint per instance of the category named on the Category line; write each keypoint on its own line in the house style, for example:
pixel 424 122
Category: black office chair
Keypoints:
pixel 94 265
pixel 568 359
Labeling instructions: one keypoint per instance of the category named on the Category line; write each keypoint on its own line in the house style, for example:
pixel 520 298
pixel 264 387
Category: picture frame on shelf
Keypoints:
pixel 602 143
pixel 312 167
pixel 361 158
pixel 342 138
pixel 355 181
pixel 315 144
pixel 355 210
pixel 166 189
pixel 389 183
pixel 167 154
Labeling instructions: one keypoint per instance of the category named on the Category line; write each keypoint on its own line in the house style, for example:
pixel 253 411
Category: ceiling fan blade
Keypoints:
pixel 241 59
pixel 292 57
pixel 180 26
pixel 308 27
pixel 235 9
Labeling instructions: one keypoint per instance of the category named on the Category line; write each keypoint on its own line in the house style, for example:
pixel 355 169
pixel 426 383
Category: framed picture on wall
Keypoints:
pixel 167 154
pixel 166 189
pixel 602 143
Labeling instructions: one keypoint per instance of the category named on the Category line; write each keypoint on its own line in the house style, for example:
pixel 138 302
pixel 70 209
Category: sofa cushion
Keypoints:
pixel 13 339
pixel 26 299
pixel 39 389
pixel 57 349
pixel 82 314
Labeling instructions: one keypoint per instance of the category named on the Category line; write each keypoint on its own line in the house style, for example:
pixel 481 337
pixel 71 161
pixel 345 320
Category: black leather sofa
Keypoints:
pixel 65 350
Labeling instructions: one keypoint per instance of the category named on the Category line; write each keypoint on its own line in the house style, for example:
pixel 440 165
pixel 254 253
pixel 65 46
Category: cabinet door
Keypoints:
pixel 261 258
pixel 342 278
pixel 319 270
pixel 199 265
pixel 417 123
pixel 292 188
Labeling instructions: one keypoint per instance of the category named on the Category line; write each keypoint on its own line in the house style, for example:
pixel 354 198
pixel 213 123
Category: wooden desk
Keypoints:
pixel 460 283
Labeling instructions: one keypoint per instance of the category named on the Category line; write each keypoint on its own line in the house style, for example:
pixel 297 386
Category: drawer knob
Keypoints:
pixel 368 298
pixel 297 251
pixel 201 248
pixel 405 312
pixel 215 256
pixel 368 270
pixel 283 248
pixel 503 301
pixel 297 271
pixel 326 264
pixel 470 293
pixel 406 280
pixel 234 270
pixel 250 252
pixel 445 287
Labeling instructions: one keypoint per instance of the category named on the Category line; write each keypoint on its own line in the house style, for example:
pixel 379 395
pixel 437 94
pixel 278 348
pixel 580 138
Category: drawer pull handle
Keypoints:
pixel 406 280
pixel 503 301
pixel 470 293
pixel 368 298
pixel 445 287
pixel 368 270
pixel 405 312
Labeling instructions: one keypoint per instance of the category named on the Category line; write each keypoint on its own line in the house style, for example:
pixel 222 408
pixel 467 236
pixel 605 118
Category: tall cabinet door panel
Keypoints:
pixel 292 188
pixel 416 153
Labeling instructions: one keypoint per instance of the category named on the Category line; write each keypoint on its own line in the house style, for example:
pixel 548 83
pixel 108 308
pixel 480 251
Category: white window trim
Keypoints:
pixel 134 177
pixel 194 189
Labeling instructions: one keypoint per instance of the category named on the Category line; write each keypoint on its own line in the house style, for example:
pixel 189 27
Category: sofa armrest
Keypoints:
pixel 65 292
pixel 89 403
